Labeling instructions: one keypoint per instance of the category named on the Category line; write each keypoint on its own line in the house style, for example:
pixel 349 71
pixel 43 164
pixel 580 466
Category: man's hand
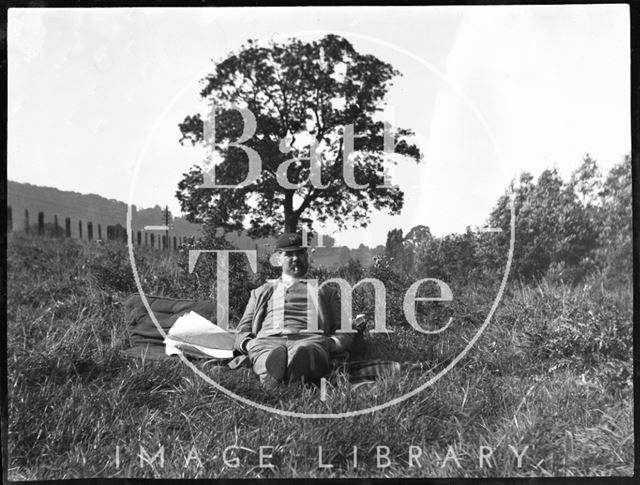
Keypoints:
pixel 334 344
pixel 360 322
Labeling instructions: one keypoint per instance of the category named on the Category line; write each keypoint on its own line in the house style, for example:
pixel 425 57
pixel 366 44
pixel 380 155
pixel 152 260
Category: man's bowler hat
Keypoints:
pixel 289 241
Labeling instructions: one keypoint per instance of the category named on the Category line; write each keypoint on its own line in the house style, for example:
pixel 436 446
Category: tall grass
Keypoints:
pixel 552 373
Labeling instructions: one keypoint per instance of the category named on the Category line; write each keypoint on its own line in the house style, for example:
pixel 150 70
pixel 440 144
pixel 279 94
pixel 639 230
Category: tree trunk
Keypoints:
pixel 291 224
pixel 290 217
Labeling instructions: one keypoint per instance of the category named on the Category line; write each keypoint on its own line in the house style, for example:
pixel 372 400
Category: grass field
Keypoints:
pixel 550 379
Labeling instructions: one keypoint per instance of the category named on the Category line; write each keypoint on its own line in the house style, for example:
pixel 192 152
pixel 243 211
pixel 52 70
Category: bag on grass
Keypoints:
pixel 146 340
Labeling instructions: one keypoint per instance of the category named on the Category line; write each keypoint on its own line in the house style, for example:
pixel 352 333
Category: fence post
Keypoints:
pixel 79 229
pixel 40 223
pixel 67 227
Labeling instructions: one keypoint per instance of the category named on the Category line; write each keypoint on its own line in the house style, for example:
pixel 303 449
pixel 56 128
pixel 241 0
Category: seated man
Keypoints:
pixel 271 329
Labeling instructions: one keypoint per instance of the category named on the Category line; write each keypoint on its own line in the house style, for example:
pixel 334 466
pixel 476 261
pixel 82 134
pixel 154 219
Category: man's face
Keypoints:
pixel 295 263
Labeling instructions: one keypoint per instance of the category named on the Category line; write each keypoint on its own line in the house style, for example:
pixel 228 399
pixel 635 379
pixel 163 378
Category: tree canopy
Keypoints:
pixel 302 95
pixel 566 230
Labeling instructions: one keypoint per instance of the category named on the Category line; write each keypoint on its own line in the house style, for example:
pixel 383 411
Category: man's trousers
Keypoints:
pixel 308 356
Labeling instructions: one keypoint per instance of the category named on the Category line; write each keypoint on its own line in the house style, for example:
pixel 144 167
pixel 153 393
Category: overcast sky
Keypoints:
pixel 95 95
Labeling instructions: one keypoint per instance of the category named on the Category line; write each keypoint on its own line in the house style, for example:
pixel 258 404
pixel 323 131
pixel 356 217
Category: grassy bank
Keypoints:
pixel 551 373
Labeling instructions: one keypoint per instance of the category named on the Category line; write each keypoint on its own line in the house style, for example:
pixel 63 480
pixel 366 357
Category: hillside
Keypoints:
pixel 550 378
pixel 26 201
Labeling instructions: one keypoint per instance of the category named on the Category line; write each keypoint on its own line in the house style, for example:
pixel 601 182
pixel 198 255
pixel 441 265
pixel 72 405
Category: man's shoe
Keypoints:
pixel 276 363
pixel 269 383
pixel 299 368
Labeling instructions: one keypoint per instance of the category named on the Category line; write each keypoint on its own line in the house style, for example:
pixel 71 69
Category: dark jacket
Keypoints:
pixel 328 314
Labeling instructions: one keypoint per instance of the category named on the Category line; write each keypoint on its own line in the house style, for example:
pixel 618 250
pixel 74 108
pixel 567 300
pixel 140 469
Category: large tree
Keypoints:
pixel 297 91
pixel 552 227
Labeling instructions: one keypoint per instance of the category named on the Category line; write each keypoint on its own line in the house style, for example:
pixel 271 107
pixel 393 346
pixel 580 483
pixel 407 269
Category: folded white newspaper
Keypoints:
pixel 195 336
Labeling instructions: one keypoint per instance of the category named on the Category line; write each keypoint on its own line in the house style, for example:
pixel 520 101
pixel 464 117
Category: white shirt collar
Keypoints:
pixel 288 280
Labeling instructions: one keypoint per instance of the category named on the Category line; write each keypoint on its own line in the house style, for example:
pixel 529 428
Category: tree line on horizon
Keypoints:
pixel 566 229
